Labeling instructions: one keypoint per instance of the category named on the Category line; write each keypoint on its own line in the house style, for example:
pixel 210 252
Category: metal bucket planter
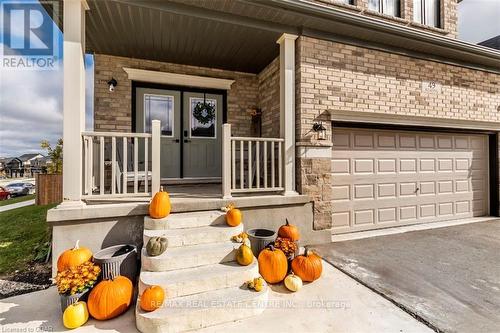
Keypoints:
pixel 260 238
pixel 67 300
pixel 117 260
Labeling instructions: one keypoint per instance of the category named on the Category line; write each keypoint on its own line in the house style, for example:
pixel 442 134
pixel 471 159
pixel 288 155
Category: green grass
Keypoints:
pixel 24 237
pixel 17 199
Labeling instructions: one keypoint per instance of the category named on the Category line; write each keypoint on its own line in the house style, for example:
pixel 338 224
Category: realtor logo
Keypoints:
pixel 29 36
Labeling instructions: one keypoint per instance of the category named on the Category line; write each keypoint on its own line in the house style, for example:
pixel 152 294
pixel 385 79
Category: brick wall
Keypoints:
pixel 448 13
pixel 112 111
pixel 334 76
pixel 269 99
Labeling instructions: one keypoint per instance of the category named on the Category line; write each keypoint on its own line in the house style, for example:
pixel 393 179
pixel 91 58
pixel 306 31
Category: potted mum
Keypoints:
pixel 74 284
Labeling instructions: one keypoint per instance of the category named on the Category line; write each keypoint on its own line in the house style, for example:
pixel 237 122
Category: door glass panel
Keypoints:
pixel 203 117
pixel 159 107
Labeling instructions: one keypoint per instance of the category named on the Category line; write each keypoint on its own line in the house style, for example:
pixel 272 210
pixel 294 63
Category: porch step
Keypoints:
pixel 189 256
pixel 186 220
pixel 194 236
pixel 200 279
pixel 202 310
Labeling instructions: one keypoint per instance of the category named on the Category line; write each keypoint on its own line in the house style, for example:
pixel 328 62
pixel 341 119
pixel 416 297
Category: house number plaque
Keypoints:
pixel 431 87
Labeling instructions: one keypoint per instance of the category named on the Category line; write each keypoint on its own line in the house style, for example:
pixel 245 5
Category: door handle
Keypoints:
pixel 187 140
pixel 176 140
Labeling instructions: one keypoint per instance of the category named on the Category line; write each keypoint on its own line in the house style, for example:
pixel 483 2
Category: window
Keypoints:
pixel 427 12
pixel 389 7
pixel 203 116
pixel 159 107
pixel 347 2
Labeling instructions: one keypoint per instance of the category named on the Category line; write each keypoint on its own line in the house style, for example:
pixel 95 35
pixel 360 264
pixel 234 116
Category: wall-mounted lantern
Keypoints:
pixel 320 129
pixel 112 84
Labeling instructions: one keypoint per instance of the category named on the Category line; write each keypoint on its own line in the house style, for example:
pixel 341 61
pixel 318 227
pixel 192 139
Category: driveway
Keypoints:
pixel 448 277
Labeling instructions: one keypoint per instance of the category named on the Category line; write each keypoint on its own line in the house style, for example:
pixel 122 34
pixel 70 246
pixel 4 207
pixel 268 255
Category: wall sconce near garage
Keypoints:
pixel 112 84
pixel 320 130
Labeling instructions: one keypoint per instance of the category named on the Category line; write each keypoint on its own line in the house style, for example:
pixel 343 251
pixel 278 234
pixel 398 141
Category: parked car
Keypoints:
pixel 4 194
pixel 17 189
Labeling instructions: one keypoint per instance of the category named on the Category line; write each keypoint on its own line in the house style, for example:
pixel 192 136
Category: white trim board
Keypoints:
pixel 177 79
pixel 395 119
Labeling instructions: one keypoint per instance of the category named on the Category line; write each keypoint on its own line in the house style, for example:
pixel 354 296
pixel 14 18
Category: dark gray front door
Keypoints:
pixel 191 140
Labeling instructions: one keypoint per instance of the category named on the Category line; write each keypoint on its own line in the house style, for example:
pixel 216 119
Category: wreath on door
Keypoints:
pixel 204 112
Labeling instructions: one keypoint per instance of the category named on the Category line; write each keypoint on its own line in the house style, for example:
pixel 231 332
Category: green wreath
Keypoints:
pixel 204 112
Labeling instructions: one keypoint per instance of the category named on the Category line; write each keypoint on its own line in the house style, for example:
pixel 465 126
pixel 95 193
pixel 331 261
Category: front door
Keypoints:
pixel 191 124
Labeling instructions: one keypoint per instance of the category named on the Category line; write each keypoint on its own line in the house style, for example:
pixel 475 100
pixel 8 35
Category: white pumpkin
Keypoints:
pixel 293 282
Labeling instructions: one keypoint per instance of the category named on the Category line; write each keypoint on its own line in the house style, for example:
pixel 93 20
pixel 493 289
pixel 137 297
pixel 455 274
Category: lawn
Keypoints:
pixel 17 199
pixel 24 237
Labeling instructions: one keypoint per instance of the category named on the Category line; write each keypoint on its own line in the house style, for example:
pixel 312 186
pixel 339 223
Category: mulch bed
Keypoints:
pixel 36 277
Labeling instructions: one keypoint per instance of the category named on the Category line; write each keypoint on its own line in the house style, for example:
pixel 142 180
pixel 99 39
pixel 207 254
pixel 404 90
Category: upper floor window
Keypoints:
pixel 426 12
pixel 347 2
pixel 389 7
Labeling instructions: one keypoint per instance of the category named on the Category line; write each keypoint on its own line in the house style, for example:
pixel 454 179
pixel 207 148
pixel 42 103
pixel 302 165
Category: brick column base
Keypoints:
pixel 314 179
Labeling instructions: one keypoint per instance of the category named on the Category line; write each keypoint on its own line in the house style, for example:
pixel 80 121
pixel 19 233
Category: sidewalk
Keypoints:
pixel 334 303
pixel 17 205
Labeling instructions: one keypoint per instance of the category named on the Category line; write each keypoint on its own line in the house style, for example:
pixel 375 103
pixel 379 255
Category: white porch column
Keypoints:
pixel 287 108
pixel 73 99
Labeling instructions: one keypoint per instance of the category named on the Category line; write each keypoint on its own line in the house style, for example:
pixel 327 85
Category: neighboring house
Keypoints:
pixel 373 115
pixel 493 43
pixel 13 167
pixel 29 163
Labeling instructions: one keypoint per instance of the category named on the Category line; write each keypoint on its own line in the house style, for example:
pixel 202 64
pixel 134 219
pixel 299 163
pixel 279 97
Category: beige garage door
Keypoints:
pixel 390 178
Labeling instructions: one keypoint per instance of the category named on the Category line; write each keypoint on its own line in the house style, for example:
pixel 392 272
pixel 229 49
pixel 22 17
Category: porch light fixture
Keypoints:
pixel 112 84
pixel 320 129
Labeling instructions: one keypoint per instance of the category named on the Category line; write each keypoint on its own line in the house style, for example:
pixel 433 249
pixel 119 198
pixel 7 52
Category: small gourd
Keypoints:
pixel 75 315
pixel 152 298
pixel 293 282
pixel 289 231
pixel 156 246
pixel 160 205
pixel 233 216
pixel 244 255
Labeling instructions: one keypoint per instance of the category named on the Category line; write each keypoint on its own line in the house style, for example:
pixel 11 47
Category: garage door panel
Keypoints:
pixel 388 178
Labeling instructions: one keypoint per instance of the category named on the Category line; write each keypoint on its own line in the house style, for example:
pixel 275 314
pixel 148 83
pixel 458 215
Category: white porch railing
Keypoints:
pixel 251 164
pixel 108 170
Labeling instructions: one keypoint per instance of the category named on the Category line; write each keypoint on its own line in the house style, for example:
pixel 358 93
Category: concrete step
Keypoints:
pixel 202 310
pixel 186 220
pixel 193 236
pixel 200 279
pixel 189 256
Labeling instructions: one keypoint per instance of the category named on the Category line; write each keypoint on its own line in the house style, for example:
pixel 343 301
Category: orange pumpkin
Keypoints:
pixel 289 231
pixel 110 298
pixel 160 205
pixel 152 298
pixel 273 265
pixel 73 257
pixel 233 216
pixel 307 266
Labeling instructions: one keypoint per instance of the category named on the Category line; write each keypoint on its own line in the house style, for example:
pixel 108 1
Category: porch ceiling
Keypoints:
pixel 158 31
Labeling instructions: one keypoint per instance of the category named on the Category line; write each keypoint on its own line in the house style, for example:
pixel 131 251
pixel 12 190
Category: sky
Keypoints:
pixel 31 101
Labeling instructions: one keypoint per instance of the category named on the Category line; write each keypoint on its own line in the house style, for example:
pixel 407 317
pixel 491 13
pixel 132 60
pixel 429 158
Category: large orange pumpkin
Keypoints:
pixel 233 216
pixel 307 266
pixel 289 231
pixel 152 298
pixel 110 298
pixel 273 265
pixel 160 205
pixel 73 257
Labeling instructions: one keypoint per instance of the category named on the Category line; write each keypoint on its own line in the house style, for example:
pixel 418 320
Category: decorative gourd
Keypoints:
pixel 233 216
pixel 289 231
pixel 152 298
pixel 110 298
pixel 307 266
pixel 293 282
pixel 73 257
pixel 244 255
pixel 256 284
pixel 75 315
pixel 273 264
pixel 160 205
pixel 156 246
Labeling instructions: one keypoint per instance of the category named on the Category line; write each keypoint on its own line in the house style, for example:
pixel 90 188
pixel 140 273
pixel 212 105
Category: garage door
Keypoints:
pixel 384 178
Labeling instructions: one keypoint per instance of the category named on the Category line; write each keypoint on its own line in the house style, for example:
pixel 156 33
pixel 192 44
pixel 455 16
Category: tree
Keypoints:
pixel 55 154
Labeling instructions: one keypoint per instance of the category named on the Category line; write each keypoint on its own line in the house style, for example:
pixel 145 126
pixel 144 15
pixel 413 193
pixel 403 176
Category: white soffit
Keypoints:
pixel 177 79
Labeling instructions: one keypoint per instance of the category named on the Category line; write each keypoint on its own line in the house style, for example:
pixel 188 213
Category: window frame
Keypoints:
pixel 381 8
pixel 173 113
pixel 423 17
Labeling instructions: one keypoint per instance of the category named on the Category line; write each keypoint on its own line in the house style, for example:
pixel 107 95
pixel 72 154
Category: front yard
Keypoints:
pixel 24 245
pixel 17 199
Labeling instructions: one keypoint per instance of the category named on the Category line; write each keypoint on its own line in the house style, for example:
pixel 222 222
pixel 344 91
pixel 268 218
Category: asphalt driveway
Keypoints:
pixel 448 277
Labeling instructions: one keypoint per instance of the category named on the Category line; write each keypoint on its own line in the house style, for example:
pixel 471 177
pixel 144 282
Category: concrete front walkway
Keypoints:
pixel 17 205
pixel 334 303
pixel 448 277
